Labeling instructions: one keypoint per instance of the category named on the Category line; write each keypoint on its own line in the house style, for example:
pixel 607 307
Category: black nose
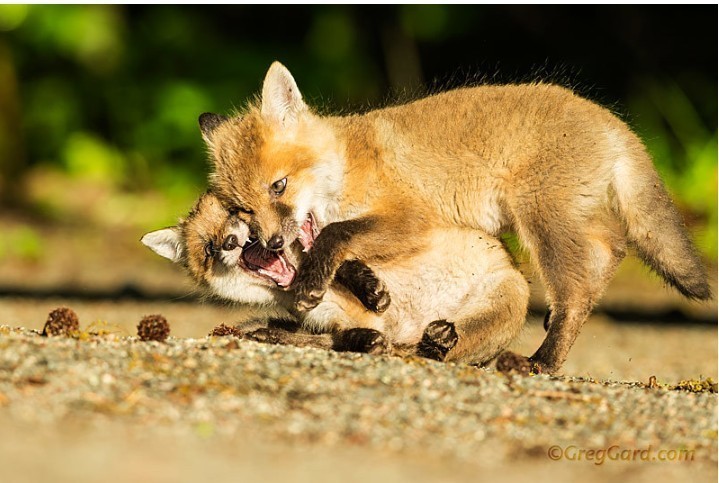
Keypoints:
pixel 276 242
pixel 230 243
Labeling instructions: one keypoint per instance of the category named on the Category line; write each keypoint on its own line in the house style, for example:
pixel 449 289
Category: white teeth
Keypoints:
pixel 281 256
pixel 313 226
pixel 307 236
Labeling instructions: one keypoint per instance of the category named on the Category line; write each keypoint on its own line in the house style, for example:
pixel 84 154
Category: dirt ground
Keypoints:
pixel 641 329
pixel 118 409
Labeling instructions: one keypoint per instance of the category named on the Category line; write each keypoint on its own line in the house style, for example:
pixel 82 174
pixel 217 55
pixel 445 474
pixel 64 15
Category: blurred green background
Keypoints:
pixel 99 104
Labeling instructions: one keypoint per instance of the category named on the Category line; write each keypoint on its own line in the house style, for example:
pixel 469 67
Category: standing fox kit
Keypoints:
pixel 565 174
pixel 459 308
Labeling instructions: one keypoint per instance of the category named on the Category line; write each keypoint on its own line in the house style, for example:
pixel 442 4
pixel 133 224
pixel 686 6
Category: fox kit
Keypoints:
pixel 565 174
pixel 476 288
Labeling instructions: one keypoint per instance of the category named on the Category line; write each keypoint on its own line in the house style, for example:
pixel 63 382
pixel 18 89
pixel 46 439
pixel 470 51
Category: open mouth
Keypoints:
pixel 272 265
pixel 308 233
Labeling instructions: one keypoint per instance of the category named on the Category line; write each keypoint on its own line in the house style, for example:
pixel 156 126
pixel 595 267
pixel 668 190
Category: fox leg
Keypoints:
pixel 359 279
pixel 576 259
pixel 270 335
pixel 359 339
pixel 321 263
pixel 363 340
pixel 438 339
pixel 368 238
pixel 492 323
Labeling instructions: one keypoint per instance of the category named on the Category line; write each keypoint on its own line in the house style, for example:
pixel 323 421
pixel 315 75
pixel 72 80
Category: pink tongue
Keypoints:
pixel 269 264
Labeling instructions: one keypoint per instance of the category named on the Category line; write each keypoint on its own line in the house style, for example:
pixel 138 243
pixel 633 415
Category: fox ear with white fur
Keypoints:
pixel 165 242
pixel 281 99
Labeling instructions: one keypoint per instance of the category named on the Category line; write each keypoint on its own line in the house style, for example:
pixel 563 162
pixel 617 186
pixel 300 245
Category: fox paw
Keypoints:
pixel 377 298
pixel 542 367
pixel 368 341
pixel 306 300
pixel 509 362
pixel 264 335
pixel 438 339
pixel 364 284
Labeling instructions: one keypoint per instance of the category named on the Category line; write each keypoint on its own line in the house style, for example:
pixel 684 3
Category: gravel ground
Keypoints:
pixel 118 409
pixel 606 348
pixel 193 409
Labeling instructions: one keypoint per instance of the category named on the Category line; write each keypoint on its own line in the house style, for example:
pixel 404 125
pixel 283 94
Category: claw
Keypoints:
pixel 438 339
pixel 363 340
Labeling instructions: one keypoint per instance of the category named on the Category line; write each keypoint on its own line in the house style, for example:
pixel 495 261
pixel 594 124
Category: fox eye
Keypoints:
pixel 278 187
pixel 209 249
pixel 239 209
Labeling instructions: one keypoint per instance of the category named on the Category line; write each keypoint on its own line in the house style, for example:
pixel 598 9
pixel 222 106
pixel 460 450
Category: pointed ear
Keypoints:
pixel 208 123
pixel 281 99
pixel 165 242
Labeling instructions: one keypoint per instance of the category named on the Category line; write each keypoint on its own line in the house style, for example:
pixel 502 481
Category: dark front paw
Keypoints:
pixel 311 285
pixel 377 298
pixel 264 335
pixel 308 298
pixel 363 340
pixel 364 284
pixel 438 339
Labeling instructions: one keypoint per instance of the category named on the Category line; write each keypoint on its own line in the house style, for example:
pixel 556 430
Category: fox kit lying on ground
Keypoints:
pixel 568 176
pixel 480 293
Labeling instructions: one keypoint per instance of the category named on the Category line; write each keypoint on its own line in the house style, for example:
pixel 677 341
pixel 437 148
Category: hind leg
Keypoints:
pixel 607 248
pixel 362 340
pixel 437 340
pixel 575 261
pixel 497 318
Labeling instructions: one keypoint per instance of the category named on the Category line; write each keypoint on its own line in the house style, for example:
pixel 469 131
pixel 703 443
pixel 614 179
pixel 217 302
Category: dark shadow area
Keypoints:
pixel 126 292
pixel 134 293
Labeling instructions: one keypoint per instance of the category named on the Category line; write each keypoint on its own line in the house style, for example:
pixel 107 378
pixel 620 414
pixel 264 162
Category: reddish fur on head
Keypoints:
pixel 275 140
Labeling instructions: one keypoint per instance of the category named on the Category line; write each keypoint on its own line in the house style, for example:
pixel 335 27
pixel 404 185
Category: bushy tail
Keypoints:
pixel 654 225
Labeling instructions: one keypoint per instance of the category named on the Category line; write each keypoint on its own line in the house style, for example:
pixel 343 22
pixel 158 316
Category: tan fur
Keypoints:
pixel 464 276
pixel 564 173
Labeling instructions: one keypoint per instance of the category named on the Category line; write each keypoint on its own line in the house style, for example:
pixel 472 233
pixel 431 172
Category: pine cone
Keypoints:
pixel 61 322
pixel 153 327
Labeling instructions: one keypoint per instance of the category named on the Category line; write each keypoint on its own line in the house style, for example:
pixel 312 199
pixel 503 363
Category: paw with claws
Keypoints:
pixel 306 300
pixel 364 284
pixel 377 299
pixel 438 339
pixel 311 284
pixel 263 335
pixel 368 341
